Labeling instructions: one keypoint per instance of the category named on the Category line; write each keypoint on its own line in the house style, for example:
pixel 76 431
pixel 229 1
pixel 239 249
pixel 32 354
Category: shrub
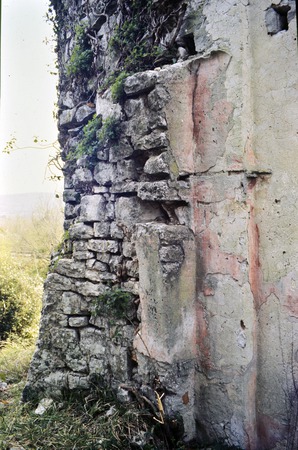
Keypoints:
pixel 15 357
pixel 20 300
pixel 116 303
pixel 95 134
pixel 117 88
pixel 110 131
pixel 89 143
pixel 82 56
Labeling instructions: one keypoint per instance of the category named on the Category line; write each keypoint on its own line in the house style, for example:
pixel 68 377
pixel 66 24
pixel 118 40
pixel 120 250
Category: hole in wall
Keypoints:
pixel 277 18
pixel 242 325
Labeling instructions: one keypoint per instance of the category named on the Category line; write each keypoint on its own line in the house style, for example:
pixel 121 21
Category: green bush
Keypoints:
pixel 110 131
pixel 89 143
pixel 15 357
pixel 116 303
pixel 20 300
pixel 97 133
pixel 117 88
pixel 82 56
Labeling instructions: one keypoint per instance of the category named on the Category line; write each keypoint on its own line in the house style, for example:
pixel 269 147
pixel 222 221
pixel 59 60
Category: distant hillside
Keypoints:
pixel 25 204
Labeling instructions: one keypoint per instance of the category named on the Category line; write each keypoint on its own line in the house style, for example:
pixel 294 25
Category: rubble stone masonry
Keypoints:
pixel 190 212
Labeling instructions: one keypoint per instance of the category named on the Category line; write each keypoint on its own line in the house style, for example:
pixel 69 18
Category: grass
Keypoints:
pixel 15 357
pixel 90 420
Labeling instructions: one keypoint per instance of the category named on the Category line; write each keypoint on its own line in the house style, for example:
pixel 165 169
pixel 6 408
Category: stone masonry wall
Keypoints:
pixel 190 209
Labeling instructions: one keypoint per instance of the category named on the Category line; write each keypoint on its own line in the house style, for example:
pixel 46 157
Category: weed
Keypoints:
pixel 138 39
pixel 81 58
pixel 116 303
pixel 15 357
pixel 110 131
pixel 117 88
pixel 96 133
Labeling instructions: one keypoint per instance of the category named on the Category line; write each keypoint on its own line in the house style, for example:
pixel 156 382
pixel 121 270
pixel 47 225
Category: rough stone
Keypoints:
pixel 78 321
pixel 194 211
pixel 140 83
pixel 92 208
pixel 104 246
pixel 104 173
pixel 158 164
pixel 81 231
pixel 132 210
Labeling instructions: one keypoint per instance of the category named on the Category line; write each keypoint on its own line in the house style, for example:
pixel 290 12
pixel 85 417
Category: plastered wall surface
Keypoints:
pixel 192 211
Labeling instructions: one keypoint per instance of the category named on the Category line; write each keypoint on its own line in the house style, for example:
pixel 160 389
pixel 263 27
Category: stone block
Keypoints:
pixel 67 118
pixel 101 229
pixel 110 211
pixel 104 173
pixel 122 150
pixel 102 154
pixel 70 195
pixel 63 338
pixel 171 254
pixel 92 208
pixel 158 98
pixel 126 170
pixel 159 190
pixel 124 187
pixel 72 303
pixel 130 210
pixel 84 113
pixel 158 164
pixel 71 268
pixel 87 288
pixel 115 264
pixel 81 178
pixel 81 231
pixel 155 140
pixel 103 257
pixel 140 83
pixel 77 322
pixel 56 282
pixel 105 107
pixel 78 381
pixel 97 265
pixel 103 246
pixel 91 342
pixel 116 231
pixel 134 107
pixel 128 249
pixel 69 211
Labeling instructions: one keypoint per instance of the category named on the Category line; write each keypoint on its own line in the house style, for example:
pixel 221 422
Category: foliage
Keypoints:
pixel 25 247
pixel 96 133
pixel 15 357
pixel 81 57
pixel 90 421
pixel 138 39
pixel 114 302
pixel 117 88
pixel 32 239
pixel 20 299
pixel 89 143
pixel 110 131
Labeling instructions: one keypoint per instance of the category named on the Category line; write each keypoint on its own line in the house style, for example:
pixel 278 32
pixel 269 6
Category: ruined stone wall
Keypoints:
pixel 178 272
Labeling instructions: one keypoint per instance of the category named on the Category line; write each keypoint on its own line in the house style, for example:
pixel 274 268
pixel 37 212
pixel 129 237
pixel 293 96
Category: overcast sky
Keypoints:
pixel 28 95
